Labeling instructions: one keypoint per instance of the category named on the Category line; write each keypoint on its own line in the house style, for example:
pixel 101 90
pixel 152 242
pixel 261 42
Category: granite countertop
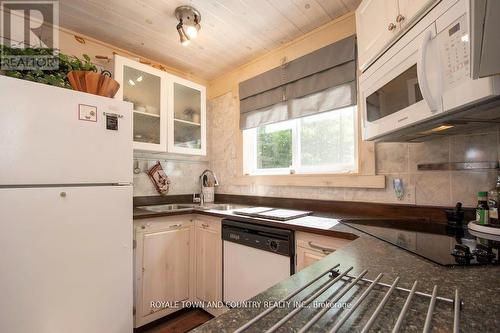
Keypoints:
pixel 322 224
pixel 478 286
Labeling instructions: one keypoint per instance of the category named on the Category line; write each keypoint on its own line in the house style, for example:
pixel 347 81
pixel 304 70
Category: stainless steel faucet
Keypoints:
pixel 204 179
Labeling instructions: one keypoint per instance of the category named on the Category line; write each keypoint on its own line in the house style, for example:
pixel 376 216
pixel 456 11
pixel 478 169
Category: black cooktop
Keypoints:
pixel 443 243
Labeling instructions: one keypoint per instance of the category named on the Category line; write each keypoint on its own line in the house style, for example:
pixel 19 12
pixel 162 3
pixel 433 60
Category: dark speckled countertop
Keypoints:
pixel 479 287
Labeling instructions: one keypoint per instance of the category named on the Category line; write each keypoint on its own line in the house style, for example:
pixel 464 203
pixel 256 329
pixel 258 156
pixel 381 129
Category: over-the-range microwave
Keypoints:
pixel 422 86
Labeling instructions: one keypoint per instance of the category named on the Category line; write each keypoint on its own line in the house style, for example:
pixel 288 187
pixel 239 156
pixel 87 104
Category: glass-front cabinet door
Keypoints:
pixel 146 88
pixel 187 117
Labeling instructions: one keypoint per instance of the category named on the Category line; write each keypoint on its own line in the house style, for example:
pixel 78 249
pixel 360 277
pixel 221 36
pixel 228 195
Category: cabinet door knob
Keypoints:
pixel 391 26
pixel 63 194
pixel 400 18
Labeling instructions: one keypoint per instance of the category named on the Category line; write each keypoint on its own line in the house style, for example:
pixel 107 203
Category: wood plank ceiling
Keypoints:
pixel 233 31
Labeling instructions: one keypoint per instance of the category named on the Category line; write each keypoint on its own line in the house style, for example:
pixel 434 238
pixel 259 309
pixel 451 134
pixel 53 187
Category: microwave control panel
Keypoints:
pixel 454 49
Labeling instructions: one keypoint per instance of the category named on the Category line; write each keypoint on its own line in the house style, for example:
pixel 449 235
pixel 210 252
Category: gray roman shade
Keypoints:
pixel 320 81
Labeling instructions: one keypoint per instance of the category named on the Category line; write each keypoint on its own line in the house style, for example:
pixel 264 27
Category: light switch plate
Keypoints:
pixel 398 188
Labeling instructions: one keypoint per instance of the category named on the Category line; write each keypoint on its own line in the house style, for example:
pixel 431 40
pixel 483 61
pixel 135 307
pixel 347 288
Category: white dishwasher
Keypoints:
pixel 255 258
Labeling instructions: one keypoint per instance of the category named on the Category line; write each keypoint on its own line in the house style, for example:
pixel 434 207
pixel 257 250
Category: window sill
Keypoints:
pixel 314 180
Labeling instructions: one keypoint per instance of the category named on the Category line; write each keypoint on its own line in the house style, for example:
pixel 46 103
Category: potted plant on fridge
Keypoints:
pixel 83 76
pixel 72 73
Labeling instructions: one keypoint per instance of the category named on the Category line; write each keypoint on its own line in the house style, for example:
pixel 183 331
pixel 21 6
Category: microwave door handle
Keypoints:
pixel 421 73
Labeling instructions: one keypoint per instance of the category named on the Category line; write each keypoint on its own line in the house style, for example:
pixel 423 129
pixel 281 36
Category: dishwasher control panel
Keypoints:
pixel 269 239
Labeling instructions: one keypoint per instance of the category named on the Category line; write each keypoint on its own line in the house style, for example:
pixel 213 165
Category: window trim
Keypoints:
pixel 297 168
pixel 364 178
pixel 316 180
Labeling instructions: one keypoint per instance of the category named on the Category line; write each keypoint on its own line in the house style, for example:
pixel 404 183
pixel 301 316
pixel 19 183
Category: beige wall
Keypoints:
pixel 392 160
pixel 331 32
pixel 228 83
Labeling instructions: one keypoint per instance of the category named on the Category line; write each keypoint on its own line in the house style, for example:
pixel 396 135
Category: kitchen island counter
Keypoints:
pixel 478 286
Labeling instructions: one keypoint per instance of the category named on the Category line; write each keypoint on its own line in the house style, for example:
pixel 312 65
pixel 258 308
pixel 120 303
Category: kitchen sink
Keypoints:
pixel 226 207
pixel 167 208
pixel 180 207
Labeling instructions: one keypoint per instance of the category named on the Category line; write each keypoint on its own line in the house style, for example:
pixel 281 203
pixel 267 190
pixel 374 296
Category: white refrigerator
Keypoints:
pixel 65 210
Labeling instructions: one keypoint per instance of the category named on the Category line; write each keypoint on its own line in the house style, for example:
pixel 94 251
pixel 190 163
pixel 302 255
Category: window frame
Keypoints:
pixel 250 146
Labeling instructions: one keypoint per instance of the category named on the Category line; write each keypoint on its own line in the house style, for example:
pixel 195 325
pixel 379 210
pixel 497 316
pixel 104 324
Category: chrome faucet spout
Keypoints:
pixel 205 181
pixel 207 173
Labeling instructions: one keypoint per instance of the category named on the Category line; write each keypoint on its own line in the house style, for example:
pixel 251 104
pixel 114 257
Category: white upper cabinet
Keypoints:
pixel 375 26
pixel 187 117
pixel 378 22
pixel 409 9
pixel 169 112
pixel 145 87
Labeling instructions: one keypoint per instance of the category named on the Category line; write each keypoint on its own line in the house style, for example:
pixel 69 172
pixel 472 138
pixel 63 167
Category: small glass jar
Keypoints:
pixel 482 213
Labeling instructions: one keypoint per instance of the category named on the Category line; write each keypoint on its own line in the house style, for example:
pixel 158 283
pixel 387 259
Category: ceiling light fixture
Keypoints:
pixel 189 23
pixel 182 35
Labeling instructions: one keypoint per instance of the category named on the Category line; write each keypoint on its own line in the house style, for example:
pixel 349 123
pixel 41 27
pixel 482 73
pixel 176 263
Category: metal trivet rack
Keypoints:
pixel 336 276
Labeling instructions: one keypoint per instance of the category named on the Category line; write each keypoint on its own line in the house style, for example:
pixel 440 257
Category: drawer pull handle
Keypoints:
pixel 400 18
pixel 391 26
pixel 204 225
pixel 325 250
pixel 175 226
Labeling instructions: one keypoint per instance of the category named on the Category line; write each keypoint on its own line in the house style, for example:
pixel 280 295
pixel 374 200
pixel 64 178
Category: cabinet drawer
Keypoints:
pixel 310 248
pixel 208 222
pixel 163 223
pixel 319 243
pixel 306 257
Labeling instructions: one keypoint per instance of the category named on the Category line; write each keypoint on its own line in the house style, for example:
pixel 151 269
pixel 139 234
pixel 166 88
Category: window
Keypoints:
pixel 322 143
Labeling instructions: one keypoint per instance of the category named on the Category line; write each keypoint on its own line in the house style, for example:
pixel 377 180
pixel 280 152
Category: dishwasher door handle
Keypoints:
pixel 323 249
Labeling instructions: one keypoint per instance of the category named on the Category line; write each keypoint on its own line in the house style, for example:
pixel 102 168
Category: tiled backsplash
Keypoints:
pixel 441 187
pixel 183 174
pixel 394 160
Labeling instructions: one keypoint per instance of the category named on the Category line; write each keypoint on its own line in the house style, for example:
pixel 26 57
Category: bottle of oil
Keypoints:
pixel 493 202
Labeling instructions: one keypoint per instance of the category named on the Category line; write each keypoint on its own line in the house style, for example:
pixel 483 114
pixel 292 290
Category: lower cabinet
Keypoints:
pixel 310 248
pixel 164 261
pixel 208 244
pixel 177 260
